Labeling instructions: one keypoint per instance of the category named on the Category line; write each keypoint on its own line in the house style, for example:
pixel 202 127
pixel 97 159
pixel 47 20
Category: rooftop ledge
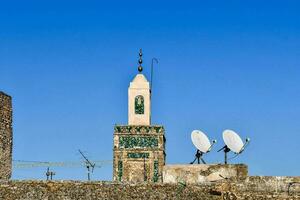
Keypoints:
pixel 202 173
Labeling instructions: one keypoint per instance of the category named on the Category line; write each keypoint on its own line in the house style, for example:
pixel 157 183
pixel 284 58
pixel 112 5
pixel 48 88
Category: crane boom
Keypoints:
pixel 86 160
pixel 32 164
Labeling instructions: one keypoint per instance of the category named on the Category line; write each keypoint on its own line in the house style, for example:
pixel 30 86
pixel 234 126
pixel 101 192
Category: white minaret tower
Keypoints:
pixel 139 101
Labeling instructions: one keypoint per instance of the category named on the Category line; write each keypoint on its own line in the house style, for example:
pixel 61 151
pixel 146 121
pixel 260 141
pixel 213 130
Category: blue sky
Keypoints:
pixel 222 65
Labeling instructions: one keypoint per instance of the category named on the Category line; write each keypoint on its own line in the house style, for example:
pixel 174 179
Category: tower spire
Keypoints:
pixel 140 68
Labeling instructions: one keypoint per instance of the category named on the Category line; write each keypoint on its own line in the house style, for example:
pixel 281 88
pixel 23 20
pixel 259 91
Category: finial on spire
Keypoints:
pixel 140 68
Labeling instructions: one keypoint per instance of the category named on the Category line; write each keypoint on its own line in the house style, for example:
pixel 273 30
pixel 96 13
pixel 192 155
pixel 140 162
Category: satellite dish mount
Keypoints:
pixel 198 157
pixel 226 150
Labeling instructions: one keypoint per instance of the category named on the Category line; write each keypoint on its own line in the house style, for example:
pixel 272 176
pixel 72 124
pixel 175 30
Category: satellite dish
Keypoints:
pixel 202 143
pixel 233 142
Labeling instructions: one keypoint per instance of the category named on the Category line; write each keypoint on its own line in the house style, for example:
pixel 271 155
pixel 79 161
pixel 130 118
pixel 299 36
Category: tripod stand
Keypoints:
pixel 198 157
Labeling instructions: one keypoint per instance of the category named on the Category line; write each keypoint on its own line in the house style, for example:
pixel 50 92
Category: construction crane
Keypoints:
pixel 32 164
pixel 88 164
pixel 23 164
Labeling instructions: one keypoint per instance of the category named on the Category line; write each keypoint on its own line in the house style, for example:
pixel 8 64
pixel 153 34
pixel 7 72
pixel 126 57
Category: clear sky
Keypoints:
pixel 222 65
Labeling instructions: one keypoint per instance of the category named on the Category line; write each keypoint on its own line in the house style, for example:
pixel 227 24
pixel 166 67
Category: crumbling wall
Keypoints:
pixel 203 173
pixel 5 136
pixel 255 188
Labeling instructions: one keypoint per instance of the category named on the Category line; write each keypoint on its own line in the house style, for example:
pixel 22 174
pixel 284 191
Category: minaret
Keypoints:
pixel 139 102
pixel 139 147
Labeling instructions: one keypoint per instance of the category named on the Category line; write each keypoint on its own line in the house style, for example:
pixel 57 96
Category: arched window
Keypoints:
pixel 139 105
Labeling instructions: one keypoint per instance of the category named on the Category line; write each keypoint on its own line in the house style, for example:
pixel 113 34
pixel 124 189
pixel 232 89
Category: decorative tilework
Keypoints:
pixel 138 155
pixel 139 105
pixel 120 170
pixel 133 142
pixel 155 174
pixel 139 129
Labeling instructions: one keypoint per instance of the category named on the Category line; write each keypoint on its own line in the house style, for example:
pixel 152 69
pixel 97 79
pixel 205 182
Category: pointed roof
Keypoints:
pixel 139 81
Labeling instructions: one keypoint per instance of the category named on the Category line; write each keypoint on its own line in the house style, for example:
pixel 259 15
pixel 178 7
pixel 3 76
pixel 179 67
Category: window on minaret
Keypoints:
pixel 139 105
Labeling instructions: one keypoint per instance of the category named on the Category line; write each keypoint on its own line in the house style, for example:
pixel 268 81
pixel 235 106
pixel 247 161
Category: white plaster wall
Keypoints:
pixel 139 86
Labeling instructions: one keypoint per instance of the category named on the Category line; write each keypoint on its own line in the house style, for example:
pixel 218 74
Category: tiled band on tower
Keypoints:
pixel 139 153
pixel 5 136
pixel 139 148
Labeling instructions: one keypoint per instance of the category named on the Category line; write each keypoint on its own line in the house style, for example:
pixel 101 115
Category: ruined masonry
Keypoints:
pixel 5 136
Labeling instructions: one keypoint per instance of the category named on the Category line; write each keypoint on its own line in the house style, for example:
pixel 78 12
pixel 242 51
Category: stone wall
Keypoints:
pixel 5 136
pixel 203 173
pixel 255 188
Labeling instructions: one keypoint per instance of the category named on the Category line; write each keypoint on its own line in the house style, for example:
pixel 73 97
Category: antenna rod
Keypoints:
pixel 246 144
pixel 213 142
pixel 49 174
pixel 152 61
pixel 151 78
